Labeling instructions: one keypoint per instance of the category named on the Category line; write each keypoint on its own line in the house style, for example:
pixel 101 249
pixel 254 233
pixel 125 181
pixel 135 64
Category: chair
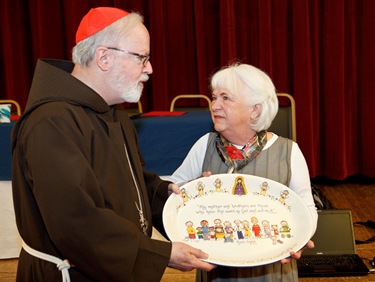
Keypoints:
pixel 140 109
pixel 13 103
pixel 284 123
pixel 130 108
pixel 189 96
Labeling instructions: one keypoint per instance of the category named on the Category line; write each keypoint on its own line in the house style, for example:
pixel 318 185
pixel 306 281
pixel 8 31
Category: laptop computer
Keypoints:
pixel 334 253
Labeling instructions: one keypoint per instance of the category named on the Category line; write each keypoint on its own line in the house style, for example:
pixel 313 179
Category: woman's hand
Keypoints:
pixel 297 255
pixel 174 188
pixel 206 173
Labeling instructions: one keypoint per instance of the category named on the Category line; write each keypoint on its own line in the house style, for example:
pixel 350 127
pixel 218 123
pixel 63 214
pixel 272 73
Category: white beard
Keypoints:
pixel 132 92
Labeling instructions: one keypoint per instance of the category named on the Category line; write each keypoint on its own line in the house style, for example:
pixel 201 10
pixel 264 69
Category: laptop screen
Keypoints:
pixel 334 234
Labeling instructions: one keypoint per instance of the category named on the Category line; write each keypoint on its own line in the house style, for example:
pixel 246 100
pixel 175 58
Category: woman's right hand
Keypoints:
pixel 204 174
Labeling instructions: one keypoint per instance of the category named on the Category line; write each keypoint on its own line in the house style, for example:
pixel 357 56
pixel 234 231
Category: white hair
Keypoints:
pixel 255 86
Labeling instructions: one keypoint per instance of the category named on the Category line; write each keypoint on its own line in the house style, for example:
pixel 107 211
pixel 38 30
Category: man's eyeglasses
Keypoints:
pixel 143 58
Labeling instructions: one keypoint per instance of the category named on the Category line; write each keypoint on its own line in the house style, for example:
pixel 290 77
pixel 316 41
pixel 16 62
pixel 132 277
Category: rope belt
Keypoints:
pixel 62 265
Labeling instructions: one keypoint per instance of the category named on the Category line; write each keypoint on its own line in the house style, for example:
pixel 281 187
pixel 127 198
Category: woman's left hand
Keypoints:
pixel 297 255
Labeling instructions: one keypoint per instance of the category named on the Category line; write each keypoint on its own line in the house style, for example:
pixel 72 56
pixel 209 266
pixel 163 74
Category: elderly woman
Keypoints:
pixel 244 103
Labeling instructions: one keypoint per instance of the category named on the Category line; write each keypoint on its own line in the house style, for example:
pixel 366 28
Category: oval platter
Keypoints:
pixel 239 220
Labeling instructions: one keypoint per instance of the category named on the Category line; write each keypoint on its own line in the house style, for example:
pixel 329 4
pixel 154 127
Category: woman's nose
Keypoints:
pixel 215 105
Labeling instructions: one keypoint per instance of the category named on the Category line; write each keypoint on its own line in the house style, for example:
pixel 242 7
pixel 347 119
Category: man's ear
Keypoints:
pixel 101 58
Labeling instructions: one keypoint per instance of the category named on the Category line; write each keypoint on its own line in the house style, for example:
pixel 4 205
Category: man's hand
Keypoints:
pixel 186 258
pixel 297 255
pixel 173 188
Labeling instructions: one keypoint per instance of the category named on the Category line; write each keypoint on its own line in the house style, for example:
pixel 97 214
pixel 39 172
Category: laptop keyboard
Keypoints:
pixel 327 260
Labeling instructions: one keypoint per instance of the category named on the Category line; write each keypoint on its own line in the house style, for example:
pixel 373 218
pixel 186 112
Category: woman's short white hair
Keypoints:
pixel 255 86
pixel 83 53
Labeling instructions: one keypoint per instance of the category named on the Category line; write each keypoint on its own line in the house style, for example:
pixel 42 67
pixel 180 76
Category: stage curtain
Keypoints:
pixel 319 51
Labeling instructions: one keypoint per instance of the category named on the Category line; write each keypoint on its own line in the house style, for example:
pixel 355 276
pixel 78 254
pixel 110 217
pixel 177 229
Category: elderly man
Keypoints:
pixel 82 198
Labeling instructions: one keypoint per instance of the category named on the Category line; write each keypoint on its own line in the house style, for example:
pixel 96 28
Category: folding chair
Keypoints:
pixel 284 123
pixel 190 96
pixel 13 103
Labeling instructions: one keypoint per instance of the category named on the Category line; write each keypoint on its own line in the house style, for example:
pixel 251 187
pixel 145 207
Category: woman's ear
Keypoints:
pixel 255 111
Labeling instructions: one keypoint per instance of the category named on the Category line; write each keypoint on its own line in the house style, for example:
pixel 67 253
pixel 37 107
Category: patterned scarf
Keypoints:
pixel 235 158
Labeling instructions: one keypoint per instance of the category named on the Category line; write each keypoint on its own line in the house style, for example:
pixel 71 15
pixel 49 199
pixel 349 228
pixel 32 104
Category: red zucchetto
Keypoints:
pixel 97 19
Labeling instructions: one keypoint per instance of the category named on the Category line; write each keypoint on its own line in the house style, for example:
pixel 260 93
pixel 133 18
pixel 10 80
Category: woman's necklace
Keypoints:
pixel 142 220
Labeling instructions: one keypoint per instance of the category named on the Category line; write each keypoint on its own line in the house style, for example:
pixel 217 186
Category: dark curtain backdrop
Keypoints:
pixel 319 51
